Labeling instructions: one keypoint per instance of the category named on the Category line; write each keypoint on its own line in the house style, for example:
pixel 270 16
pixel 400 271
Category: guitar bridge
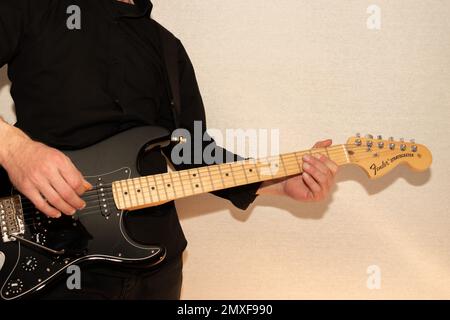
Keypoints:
pixel 11 218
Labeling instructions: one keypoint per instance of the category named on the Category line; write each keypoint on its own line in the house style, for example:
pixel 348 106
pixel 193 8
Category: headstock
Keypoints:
pixel 377 156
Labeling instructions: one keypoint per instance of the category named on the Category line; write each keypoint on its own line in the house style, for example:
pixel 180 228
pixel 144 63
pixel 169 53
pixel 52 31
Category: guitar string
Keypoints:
pixel 287 162
pixel 98 203
pixel 237 176
pixel 238 163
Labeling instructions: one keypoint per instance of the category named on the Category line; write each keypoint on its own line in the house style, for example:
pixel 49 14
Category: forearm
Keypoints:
pixel 10 137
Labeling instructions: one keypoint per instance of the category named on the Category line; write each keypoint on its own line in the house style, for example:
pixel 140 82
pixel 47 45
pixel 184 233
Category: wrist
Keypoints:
pixel 12 137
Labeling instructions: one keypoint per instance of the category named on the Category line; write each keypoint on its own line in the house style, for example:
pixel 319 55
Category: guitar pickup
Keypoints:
pixel 11 218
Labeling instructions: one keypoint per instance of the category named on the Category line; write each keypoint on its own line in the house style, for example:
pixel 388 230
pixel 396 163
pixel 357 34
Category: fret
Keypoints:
pixel 264 170
pixel 144 190
pixel 275 165
pixel 228 180
pixel 177 183
pixel 251 173
pixel 186 181
pixel 132 192
pixel 125 193
pixel 218 183
pixel 153 190
pixel 168 186
pixel 290 166
pixel 283 166
pixel 299 157
pixel 160 186
pixel 121 199
pixel 196 181
pixel 138 191
pixel 205 179
pixel 239 175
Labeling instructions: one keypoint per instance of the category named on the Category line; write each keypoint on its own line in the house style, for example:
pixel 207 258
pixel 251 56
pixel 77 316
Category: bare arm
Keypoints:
pixel 44 175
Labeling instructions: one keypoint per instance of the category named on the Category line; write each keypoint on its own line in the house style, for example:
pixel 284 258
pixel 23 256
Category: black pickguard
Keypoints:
pixel 95 233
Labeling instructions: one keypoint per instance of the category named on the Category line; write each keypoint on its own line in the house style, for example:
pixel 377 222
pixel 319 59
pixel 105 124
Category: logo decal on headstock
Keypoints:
pixel 385 163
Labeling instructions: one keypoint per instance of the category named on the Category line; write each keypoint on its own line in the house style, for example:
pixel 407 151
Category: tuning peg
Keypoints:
pixel 403 147
pixel 369 136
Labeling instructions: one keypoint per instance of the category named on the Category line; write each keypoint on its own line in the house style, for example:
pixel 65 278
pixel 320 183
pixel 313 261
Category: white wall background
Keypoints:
pixel 313 70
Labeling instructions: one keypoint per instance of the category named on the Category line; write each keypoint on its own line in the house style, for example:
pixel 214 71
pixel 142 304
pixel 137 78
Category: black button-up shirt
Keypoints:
pixel 73 87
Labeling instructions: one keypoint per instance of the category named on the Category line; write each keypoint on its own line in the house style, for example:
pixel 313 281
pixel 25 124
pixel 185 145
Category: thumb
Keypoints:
pixel 323 144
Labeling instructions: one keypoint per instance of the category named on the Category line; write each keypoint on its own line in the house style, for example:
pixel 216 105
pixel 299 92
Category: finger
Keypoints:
pixel 55 199
pixel 317 164
pixel 324 180
pixel 312 185
pixel 323 144
pixel 67 193
pixel 40 204
pixel 74 178
pixel 330 164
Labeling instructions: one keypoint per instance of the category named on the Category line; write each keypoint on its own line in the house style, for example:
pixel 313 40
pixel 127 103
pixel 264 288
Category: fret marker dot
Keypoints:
pixel 251 170
pixel 138 190
pixel 196 185
pixel 153 188
pixel 194 175
pixel 125 193
pixel 168 185
pixel 227 174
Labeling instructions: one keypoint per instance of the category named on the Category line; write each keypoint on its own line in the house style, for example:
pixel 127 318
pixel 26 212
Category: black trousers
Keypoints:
pixel 106 282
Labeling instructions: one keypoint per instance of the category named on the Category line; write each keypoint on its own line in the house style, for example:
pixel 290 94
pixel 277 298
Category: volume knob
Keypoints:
pixel 29 264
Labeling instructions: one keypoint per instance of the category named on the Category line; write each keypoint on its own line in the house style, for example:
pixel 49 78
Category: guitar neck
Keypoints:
pixel 137 193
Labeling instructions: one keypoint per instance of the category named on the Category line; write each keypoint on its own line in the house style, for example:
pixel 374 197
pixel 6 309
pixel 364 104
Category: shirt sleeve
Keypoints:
pixel 192 110
pixel 12 20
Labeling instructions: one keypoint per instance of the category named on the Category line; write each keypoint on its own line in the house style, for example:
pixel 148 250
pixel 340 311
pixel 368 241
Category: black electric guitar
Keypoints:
pixel 35 249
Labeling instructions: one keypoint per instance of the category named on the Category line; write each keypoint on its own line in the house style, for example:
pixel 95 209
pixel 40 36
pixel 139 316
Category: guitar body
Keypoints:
pixel 96 233
pixel 34 250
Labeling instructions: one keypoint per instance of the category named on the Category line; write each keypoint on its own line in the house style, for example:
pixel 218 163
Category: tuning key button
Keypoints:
pixel 381 145
pixel 380 137
pixel 392 146
pixel 358 135
pixel 358 142
pixel 391 139
pixel 402 139
pixel 414 148
pixel 403 147
pixel 369 136
pixel 369 144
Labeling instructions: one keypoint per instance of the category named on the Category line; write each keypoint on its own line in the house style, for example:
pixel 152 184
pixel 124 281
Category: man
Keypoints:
pixel 82 71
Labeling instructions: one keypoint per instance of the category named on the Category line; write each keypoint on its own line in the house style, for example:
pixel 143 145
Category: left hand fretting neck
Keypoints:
pixel 132 194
